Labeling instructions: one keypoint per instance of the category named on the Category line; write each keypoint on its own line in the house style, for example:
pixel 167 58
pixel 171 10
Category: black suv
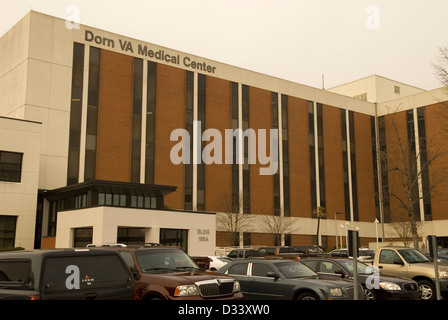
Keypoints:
pixel 65 274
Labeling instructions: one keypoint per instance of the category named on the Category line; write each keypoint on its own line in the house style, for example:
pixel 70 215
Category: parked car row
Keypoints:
pixel 111 272
pixel 168 273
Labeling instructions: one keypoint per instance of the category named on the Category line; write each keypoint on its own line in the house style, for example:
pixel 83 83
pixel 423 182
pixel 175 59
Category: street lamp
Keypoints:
pixel 376 230
pixel 336 226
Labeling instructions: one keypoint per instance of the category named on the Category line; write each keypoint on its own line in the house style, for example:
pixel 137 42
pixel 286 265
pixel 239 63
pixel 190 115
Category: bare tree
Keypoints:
pixel 408 165
pixel 230 218
pixel 402 227
pixel 277 225
pixel 320 213
pixel 440 66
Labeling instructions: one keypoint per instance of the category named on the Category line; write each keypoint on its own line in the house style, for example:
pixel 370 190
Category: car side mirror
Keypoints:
pixel 399 261
pixel 340 272
pixel 272 274
pixel 134 272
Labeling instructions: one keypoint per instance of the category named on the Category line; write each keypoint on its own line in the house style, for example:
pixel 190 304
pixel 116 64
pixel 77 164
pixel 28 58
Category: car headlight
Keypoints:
pixel 390 286
pixel 336 292
pixel 186 290
pixel 443 274
pixel 236 286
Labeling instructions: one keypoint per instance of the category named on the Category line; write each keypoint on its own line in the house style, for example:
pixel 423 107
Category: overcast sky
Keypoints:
pixel 296 40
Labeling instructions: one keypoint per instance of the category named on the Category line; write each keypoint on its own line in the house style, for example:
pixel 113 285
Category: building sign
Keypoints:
pixel 203 235
pixel 143 50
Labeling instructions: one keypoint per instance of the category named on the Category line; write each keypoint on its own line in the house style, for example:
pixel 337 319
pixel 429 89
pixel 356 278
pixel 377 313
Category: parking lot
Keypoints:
pixel 156 272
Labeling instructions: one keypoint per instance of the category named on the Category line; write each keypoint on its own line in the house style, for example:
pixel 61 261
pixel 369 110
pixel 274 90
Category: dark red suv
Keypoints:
pixel 168 273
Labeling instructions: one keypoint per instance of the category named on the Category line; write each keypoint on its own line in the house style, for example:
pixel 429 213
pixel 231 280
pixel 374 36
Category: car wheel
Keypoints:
pixel 307 296
pixel 370 295
pixel 426 290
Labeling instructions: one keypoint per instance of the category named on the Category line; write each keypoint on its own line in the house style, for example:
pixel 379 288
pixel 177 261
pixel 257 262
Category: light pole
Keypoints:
pixel 376 231
pixel 336 226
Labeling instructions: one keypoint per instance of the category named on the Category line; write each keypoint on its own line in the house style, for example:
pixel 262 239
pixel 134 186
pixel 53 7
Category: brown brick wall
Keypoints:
pixel 218 181
pixel 436 119
pixel 261 186
pixel 334 170
pixel 114 117
pixel 170 115
pixel 299 159
pixel 364 168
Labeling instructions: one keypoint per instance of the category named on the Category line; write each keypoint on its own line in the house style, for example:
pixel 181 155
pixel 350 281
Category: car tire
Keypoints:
pixel 370 294
pixel 307 296
pixel 427 290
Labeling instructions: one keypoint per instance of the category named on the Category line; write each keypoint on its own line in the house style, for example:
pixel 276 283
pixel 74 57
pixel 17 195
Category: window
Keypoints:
pixel 83 236
pixel 92 114
pixel 174 237
pixel 10 166
pixel 131 235
pixel 189 84
pixel 239 269
pixel 17 271
pixel 202 81
pixel 150 122
pixel 246 172
pixel 128 258
pixel 75 114
pixel 397 89
pixel 388 256
pixel 235 165
pixel 285 144
pixel 7 231
pixel 137 120
pixel 260 269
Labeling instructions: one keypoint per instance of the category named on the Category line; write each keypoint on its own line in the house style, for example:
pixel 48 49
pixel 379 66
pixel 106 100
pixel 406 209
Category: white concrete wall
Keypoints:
pixel 106 220
pixel 20 198
pixel 379 89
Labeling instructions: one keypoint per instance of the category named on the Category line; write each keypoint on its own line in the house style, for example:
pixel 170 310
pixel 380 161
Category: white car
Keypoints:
pixel 217 262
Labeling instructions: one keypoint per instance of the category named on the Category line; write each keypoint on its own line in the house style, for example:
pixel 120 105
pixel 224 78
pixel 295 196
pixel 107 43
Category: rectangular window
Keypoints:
pixel 131 235
pixel 312 147
pixel 246 172
pixel 137 120
pixel 150 122
pixel 83 237
pixel 320 146
pixel 174 237
pixel 235 165
pixel 275 124
pixel 202 80
pixel 92 114
pixel 285 144
pixel 189 83
pixel 75 114
pixel 7 231
pixel 10 166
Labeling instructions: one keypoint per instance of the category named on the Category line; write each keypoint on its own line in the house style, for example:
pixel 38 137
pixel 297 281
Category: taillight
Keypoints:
pixel 36 297
pixel 136 293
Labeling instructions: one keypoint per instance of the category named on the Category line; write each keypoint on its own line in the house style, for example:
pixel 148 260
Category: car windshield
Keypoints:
pixel 369 253
pixel 163 261
pixel 295 269
pixel 361 267
pixel 413 256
